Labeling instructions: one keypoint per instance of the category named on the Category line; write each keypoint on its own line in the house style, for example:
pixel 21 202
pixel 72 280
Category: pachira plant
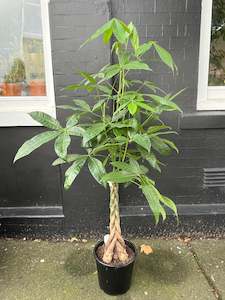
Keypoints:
pixel 119 128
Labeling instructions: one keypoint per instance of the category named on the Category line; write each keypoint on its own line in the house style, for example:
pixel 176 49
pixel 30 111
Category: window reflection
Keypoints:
pixel 217 47
pixel 21 49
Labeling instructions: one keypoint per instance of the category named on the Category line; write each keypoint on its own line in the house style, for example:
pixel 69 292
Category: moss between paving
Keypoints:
pixel 33 270
pixel 211 255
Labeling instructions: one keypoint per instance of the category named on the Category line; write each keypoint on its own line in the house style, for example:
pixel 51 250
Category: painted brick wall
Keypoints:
pixel 175 24
pixel 72 22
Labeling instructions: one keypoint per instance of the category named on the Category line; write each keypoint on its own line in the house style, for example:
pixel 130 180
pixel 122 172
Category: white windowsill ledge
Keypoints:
pixel 20 117
pixel 211 104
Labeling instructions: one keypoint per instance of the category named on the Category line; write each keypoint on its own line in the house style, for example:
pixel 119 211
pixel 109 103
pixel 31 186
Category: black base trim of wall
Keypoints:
pixel 183 210
pixel 203 120
pixel 32 212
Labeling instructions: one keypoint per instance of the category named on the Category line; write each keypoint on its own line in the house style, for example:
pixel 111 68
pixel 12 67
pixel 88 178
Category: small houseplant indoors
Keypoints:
pixel 37 86
pixel 121 134
pixel 14 78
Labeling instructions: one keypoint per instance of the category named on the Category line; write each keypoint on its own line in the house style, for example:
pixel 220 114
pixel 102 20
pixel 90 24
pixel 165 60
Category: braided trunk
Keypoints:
pixel 115 248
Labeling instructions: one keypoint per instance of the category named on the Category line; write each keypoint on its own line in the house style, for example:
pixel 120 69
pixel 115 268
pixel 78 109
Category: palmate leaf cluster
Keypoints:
pixel 122 144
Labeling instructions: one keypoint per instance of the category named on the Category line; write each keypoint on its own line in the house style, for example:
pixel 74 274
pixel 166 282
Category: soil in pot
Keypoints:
pixel 114 278
pixel 116 263
pixel 12 89
pixel 37 87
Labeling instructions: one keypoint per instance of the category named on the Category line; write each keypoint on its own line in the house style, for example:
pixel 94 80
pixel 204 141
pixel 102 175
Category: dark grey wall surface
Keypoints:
pixel 175 25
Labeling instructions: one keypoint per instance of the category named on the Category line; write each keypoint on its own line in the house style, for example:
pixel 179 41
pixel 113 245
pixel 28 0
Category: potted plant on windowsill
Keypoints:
pixel 121 134
pixel 14 79
pixel 37 87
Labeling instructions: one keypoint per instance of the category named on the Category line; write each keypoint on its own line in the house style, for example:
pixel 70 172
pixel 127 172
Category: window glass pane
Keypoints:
pixel 21 49
pixel 217 47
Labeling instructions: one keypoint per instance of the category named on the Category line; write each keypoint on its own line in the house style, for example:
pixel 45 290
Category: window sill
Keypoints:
pixel 203 120
pixel 211 104
pixel 21 118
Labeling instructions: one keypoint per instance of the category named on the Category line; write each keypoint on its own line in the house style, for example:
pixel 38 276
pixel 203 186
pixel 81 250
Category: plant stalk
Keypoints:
pixel 115 248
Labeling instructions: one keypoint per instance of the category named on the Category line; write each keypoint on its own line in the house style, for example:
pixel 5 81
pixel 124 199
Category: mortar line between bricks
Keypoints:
pixel 209 280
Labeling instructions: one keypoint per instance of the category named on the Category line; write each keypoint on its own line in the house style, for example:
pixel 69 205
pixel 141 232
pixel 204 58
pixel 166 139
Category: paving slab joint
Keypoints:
pixel 211 283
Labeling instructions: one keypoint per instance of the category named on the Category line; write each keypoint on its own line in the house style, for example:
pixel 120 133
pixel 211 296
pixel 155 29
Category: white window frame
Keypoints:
pixel 208 97
pixel 14 110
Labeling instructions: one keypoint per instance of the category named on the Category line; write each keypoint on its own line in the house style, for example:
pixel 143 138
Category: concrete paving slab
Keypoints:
pixel 211 255
pixel 42 270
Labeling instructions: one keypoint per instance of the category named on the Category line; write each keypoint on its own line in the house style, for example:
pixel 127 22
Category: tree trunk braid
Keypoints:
pixel 115 248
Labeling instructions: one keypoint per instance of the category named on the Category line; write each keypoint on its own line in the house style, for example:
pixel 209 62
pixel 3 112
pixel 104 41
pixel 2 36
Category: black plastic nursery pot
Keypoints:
pixel 115 280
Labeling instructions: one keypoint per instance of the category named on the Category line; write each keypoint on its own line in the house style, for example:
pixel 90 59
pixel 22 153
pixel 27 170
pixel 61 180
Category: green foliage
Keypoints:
pixel 45 120
pixel 73 171
pixel 97 170
pixel 17 72
pixel 120 145
pixel 34 143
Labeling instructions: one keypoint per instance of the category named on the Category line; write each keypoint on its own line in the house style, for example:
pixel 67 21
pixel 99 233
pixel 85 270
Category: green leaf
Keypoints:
pixel 160 146
pixel 124 124
pixel 153 197
pixel 61 144
pixel 142 49
pixel 74 87
pixel 99 32
pixel 93 131
pixel 142 140
pixel 132 107
pixel 156 128
pixel 120 139
pixel 145 106
pixel 107 35
pixel 34 143
pixel 72 120
pixel 118 177
pixel 73 171
pixel 88 77
pixel 104 89
pixel 121 107
pixel 97 170
pixel 152 160
pixel 83 104
pixel 151 85
pixel 165 56
pixel 112 71
pixel 98 105
pixel 123 166
pixel 171 144
pixel 119 114
pixel 69 107
pixel 131 168
pixel 177 94
pixel 136 65
pixel 69 158
pixel 134 38
pixel 165 101
pixel 163 213
pixel 163 133
pixel 58 161
pixel 76 131
pixel 45 120
pixel 104 147
pixel 119 31
pixel 169 203
pixel 144 169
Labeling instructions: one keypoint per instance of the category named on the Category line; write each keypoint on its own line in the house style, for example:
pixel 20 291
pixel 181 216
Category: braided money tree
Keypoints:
pixel 120 131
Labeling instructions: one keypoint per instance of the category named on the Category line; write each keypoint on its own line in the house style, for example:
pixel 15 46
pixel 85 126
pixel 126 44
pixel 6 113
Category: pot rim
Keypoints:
pixel 128 243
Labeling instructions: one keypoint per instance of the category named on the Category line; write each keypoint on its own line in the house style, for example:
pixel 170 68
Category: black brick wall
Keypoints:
pixel 175 24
